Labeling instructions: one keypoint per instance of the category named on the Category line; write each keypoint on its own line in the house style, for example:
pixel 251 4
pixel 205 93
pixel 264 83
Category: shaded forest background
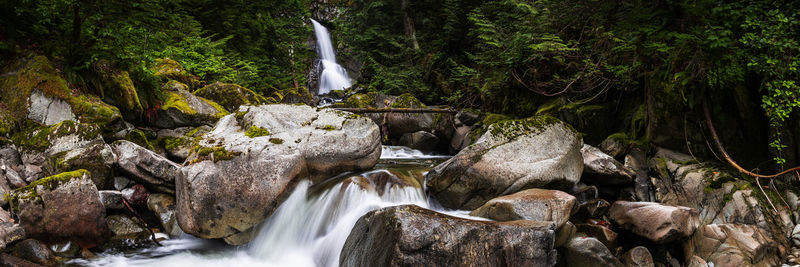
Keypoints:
pixel 639 70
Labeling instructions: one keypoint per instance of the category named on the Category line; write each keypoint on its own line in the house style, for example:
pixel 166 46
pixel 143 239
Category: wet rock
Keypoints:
pixel 34 251
pixel 163 206
pixel 532 204
pixel 124 226
pixel 601 233
pixel 638 257
pixel 733 245
pixel 111 199
pixel 657 222
pixel 62 207
pixel 182 108
pixel 136 195
pixel 10 233
pixel 512 155
pixel 588 251
pixel 230 95
pixel 421 140
pixel 146 166
pixel 602 169
pixel 245 167
pixel 413 236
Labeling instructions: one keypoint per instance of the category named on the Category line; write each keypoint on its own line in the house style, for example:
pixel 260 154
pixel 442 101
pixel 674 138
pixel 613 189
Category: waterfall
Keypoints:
pixel 333 76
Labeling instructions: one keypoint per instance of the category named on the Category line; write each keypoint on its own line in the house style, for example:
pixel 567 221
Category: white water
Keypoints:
pixel 333 76
pixel 308 229
pixel 401 152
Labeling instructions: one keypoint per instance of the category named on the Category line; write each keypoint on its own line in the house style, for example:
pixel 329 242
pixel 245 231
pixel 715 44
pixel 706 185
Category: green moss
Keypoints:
pixel 256 131
pixel 361 100
pixel 140 138
pixel 328 128
pixel 492 118
pixel 195 131
pixel 216 154
pixel 177 101
pixel 91 109
pixel 514 128
pixel 50 182
pixel 171 143
pixel 7 122
pixel 353 116
pixel 276 141
pixel 407 100
pixel 221 112
pixel 230 96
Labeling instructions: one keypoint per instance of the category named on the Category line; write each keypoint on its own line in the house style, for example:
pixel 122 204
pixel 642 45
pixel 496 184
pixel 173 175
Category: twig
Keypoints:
pixel 397 110
pixel 142 222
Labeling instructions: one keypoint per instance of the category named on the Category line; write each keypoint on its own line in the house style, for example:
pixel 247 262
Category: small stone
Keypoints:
pixel 121 182
pixel 638 257
pixel 111 199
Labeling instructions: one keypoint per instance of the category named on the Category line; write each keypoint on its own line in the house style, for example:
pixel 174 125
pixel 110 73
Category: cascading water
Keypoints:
pixel 333 76
pixel 308 229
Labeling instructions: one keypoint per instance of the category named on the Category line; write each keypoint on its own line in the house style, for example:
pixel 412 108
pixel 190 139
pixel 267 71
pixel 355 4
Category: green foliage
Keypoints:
pixel 256 131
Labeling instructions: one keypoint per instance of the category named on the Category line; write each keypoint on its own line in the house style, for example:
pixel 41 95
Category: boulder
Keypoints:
pixel 511 156
pixel 66 146
pixel 638 257
pixel 178 143
pixel 163 206
pixel 116 88
pixel 35 251
pixel 244 168
pixel 654 221
pixel 420 140
pixel 10 232
pixel 461 138
pixel 403 123
pixel 230 96
pixel 182 108
pixel 168 69
pixel 146 166
pixel 564 234
pixel 588 251
pixel 600 232
pixel 413 236
pixel 532 204
pixel 66 206
pixel 602 169
pixel 124 226
pixel 733 245
pixel 615 145
pixel 9 260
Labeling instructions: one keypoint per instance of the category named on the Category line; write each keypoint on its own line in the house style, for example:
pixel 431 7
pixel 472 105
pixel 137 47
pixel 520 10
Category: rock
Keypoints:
pixel 124 226
pixel 62 207
pixel 167 69
pixel 461 139
pixel 4 189
pixel 601 233
pixel 564 234
pixel 733 245
pixel 121 182
pixel 245 167
pixel 638 257
pixel 796 235
pixel 14 179
pixel 588 251
pixel 65 249
pixel 179 142
pixel 602 169
pixel 420 140
pixel 468 117
pixel 185 109
pixel 696 261
pixel 116 88
pixel 403 123
pixel 512 155
pixel 10 233
pixel 163 206
pixel 136 195
pixel 63 147
pixel 615 145
pixel 413 236
pixel 230 96
pixel 8 260
pixel 532 204
pixel 33 88
pixel 146 166
pixel 35 251
pixel 111 199
pixel 654 221
pixel 636 160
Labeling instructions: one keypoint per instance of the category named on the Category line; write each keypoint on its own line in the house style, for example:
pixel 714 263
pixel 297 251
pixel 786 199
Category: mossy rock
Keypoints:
pixel 368 100
pixel 295 96
pixel 407 100
pixel 182 108
pixel 35 72
pixel 167 69
pixel 116 88
pixel 7 122
pixel 38 138
pixel 50 182
pixel 230 96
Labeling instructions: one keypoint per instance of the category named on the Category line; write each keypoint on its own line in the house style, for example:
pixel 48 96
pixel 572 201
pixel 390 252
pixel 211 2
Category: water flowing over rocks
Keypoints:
pixel 657 222
pixel 413 236
pixel 245 167
pixel 511 156
pixel 531 204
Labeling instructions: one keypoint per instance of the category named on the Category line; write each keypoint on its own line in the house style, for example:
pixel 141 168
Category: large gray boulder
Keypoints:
pixel 654 221
pixel 249 163
pixel 532 204
pixel 146 166
pixel 182 108
pixel 511 156
pixel 413 236
pixel 733 245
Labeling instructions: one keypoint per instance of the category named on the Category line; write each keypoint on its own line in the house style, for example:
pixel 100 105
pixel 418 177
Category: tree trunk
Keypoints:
pixel 408 25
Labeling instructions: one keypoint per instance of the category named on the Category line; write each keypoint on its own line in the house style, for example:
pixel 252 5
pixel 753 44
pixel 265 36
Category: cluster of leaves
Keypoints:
pixel 259 45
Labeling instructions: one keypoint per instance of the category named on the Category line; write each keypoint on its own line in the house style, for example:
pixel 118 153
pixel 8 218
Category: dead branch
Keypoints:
pixel 397 110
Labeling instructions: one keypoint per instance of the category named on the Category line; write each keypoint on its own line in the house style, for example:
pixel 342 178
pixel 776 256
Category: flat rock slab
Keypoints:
pixel 654 221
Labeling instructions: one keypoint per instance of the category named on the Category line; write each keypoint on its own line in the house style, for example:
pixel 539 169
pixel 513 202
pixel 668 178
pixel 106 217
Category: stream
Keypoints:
pixel 308 229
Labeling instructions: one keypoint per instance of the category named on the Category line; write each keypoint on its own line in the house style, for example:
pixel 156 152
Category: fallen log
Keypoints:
pixel 397 110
